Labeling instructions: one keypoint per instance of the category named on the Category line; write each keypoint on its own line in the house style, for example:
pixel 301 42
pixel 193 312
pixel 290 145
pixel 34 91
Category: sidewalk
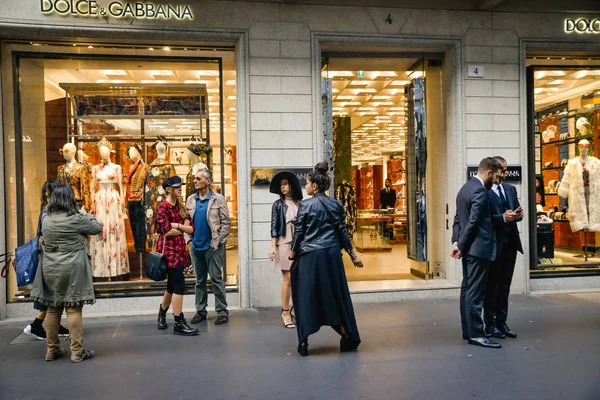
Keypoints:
pixel 410 350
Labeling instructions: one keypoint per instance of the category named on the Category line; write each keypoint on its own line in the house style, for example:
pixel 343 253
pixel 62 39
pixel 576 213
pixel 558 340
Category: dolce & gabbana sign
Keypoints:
pixel 582 25
pixel 115 9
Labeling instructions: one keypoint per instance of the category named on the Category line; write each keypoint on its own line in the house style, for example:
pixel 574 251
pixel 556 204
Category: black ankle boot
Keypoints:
pixel 347 344
pixel 182 328
pixel 162 317
pixel 303 348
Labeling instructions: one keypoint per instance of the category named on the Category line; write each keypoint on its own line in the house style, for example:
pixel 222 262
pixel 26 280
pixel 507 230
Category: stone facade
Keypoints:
pixel 279 100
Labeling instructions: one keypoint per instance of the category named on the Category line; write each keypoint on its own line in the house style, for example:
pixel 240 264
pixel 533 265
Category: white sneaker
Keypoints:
pixel 28 331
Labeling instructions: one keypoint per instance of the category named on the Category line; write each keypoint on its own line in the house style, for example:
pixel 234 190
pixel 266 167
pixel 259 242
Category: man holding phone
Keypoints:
pixel 506 212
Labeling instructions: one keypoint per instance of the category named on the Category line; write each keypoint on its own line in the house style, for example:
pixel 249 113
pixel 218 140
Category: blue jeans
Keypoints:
pixel 209 262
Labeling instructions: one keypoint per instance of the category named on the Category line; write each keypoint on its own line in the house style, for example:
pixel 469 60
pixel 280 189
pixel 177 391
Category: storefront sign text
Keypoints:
pixel 582 25
pixel 512 174
pixel 262 177
pixel 116 9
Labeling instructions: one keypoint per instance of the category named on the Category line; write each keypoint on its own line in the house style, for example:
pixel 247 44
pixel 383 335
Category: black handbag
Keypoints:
pixel 156 265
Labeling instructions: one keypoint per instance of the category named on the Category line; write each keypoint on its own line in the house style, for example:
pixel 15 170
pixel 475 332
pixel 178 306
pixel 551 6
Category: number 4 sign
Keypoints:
pixel 475 71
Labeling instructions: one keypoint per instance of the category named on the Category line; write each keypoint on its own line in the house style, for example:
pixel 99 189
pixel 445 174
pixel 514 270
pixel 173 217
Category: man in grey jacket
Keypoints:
pixel 210 217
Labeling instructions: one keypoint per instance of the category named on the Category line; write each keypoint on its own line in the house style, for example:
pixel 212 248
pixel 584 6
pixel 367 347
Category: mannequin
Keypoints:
pixel 194 151
pixel 581 186
pixel 583 126
pixel 136 178
pixel 154 194
pixel 108 249
pixel 75 175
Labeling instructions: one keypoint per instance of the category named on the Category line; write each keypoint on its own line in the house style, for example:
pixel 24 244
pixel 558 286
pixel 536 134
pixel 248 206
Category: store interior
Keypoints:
pixel 566 94
pixel 370 123
pixel 163 102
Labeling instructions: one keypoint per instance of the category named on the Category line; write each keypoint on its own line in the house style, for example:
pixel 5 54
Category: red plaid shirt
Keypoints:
pixel 175 246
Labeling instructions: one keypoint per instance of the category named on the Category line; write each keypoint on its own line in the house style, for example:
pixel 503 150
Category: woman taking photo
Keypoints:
pixel 171 222
pixel 283 214
pixel 64 277
pixel 319 287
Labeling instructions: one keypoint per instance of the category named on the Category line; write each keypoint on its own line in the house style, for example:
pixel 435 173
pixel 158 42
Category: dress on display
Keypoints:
pixel 78 177
pixel 189 179
pixel 158 171
pixel 346 195
pixel 109 248
pixel 136 181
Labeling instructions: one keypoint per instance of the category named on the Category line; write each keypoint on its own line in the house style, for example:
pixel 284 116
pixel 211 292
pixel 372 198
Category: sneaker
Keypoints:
pixel 198 318
pixel 83 355
pixel 221 319
pixel 56 355
pixel 62 331
pixel 37 332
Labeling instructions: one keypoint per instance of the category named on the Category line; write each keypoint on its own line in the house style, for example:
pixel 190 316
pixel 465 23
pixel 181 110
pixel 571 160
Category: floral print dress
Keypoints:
pixel 109 248
pixel 154 194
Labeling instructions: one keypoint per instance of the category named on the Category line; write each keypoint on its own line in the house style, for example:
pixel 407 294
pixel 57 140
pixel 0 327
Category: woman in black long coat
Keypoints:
pixel 319 287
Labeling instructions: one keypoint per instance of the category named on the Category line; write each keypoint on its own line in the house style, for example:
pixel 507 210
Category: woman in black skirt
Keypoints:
pixel 319 287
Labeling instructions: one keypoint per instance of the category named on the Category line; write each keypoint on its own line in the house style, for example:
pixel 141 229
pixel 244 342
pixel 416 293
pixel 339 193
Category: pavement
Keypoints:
pixel 411 349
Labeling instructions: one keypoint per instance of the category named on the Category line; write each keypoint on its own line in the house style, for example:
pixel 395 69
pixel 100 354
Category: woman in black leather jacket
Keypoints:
pixel 283 214
pixel 319 287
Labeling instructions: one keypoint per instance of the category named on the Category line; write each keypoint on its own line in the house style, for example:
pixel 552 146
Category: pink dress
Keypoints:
pixel 284 242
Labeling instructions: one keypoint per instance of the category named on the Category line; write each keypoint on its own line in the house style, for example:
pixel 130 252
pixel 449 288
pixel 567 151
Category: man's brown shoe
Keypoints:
pixel 221 319
pixel 198 318
pixel 57 354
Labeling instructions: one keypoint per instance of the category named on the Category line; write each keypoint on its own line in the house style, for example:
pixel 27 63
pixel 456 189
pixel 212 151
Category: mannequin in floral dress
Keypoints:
pixel 109 248
pixel 159 170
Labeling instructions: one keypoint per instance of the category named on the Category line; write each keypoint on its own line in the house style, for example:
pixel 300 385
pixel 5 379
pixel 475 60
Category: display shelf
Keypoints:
pixel 569 140
pixel 135 116
pixel 553 169
pixel 371 227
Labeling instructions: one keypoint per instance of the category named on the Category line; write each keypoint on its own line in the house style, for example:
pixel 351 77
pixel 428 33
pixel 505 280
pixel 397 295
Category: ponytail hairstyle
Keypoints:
pixel 320 177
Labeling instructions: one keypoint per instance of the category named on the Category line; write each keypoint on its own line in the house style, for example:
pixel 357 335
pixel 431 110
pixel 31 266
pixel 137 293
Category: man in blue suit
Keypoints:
pixel 506 212
pixel 474 240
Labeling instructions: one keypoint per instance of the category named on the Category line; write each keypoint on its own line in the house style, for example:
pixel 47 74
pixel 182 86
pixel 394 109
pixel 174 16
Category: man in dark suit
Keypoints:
pixel 506 212
pixel 387 195
pixel 474 240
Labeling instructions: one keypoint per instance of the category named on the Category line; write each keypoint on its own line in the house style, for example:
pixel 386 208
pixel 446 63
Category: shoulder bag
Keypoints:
pixel 26 261
pixel 156 264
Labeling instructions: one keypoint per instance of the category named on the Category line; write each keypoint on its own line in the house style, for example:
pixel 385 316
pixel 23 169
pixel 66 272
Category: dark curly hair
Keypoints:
pixel 320 177
pixel 47 189
pixel 63 200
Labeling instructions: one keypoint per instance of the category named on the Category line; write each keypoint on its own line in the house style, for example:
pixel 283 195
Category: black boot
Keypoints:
pixel 182 328
pixel 303 348
pixel 162 317
pixel 347 344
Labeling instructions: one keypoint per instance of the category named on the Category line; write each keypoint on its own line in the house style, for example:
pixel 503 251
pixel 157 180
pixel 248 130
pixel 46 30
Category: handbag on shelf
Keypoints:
pixel 26 261
pixel 156 264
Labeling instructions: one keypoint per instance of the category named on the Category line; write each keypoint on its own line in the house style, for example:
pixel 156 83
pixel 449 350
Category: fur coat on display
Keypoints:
pixel 571 188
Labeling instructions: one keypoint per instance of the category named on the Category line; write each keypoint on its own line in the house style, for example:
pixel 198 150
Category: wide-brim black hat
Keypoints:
pixel 292 179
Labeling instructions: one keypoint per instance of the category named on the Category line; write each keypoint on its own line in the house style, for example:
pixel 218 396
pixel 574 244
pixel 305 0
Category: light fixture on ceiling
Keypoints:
pixel 209 72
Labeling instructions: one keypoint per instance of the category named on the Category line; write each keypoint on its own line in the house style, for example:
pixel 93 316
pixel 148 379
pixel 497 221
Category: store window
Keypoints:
pixel 378 140
pixel 564 127
pixel 113 123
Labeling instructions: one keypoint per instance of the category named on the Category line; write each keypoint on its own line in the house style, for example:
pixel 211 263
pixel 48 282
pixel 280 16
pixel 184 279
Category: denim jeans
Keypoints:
pixel 209 262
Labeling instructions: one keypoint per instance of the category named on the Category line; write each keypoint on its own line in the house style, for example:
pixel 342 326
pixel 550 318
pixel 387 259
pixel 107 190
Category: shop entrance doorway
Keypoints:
pixel 381 121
